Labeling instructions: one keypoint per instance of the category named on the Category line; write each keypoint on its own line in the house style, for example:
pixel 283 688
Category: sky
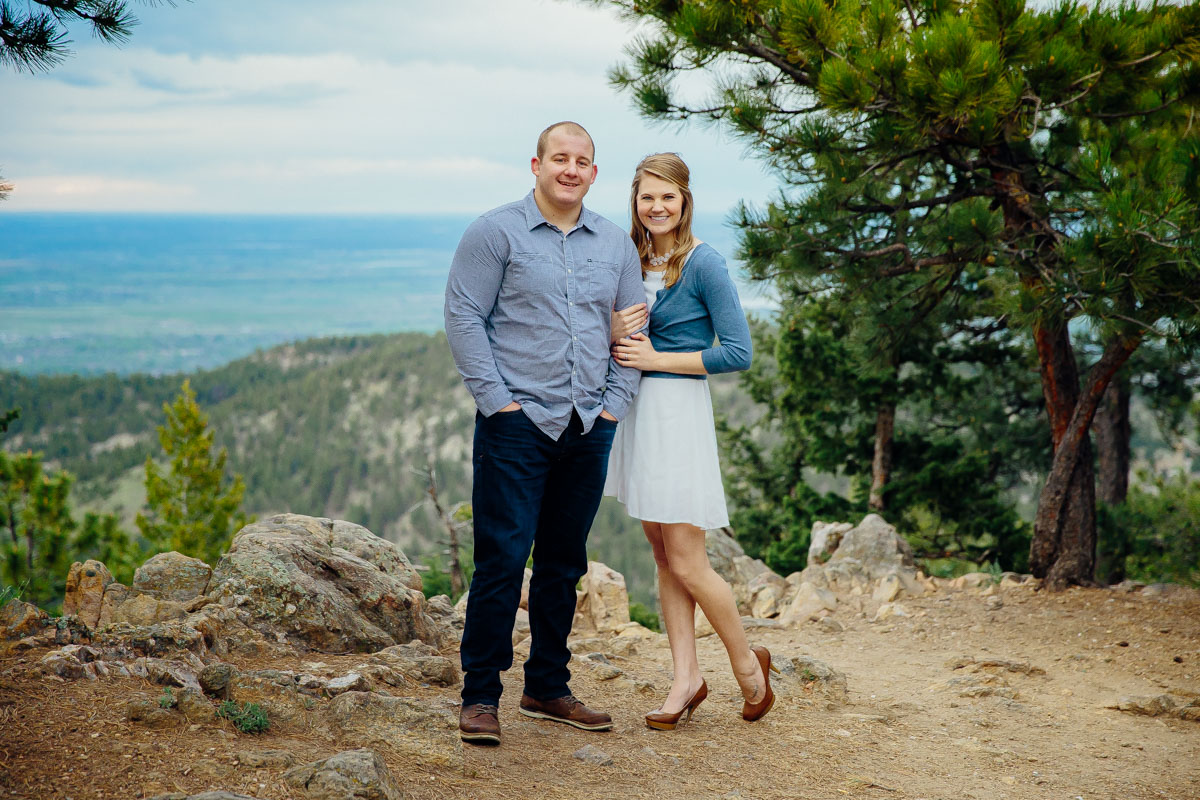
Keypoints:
pixel 379 106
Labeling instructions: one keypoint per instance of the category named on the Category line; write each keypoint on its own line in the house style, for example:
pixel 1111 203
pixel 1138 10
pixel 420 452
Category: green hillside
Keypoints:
pixel 338 427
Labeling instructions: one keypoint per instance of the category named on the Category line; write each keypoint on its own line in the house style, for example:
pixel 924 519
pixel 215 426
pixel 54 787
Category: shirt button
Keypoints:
pixel 570 302
pixel 568 272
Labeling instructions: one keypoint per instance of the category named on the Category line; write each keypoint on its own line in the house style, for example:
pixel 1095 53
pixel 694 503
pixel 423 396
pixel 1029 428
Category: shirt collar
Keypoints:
pixel 533 215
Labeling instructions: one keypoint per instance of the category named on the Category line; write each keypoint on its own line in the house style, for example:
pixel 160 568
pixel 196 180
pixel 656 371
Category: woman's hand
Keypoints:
pixel 636 351
pixel 627 321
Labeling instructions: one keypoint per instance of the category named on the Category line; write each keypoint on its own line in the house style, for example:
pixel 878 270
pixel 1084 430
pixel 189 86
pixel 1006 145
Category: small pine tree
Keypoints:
pixel 38 525
pixel 190 510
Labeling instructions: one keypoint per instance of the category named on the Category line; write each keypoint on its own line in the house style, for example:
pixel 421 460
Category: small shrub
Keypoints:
pixel 247 718
pixel 644 616
pixel 167 700
pixel 10 593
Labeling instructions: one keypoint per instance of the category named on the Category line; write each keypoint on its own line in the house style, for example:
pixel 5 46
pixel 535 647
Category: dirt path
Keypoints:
pixel 915 726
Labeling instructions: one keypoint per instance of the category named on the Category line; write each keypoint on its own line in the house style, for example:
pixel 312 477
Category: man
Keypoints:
pixel 527 316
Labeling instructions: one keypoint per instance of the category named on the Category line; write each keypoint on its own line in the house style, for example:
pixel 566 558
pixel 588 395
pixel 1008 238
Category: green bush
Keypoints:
pixel 1155 534
pixel 247 718
pixel 644 616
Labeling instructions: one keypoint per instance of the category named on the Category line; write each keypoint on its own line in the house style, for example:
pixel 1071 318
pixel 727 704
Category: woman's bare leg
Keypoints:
pixel 687 561
pixel 679 610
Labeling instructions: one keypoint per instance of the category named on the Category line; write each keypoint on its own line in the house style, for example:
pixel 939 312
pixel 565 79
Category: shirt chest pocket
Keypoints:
pixel 598 283
pixel 532 273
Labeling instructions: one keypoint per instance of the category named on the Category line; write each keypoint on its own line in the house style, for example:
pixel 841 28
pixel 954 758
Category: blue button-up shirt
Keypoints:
pixel 527 314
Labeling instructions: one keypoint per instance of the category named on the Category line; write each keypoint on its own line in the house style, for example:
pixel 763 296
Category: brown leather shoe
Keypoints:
pixel 566 709
pixel 479 723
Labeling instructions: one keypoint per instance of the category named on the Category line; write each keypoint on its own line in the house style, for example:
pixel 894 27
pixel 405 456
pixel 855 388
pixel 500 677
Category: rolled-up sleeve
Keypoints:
pixel 476 274
pixel 735 349
pixel 621 383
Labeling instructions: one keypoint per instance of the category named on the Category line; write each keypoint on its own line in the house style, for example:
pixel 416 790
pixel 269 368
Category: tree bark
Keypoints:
pixel 1063 551
pixel 881 466
pixel 1112 434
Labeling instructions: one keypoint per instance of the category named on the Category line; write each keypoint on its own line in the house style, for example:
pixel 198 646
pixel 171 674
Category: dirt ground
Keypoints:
pixel 907 730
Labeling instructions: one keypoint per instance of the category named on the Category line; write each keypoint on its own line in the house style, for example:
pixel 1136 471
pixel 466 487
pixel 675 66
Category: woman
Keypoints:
pixel 663 465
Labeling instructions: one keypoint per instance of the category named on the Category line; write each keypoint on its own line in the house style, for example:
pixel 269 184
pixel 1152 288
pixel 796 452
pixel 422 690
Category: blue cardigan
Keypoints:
pixel 702 304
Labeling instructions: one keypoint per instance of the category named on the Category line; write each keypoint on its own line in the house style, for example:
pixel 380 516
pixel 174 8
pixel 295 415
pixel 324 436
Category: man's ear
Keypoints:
pixel 535 165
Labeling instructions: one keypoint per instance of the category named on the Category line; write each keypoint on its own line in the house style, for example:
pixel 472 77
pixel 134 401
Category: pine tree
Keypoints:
pixel 35 37
pixel 190 509
pixel 1050 153
pixel 37 520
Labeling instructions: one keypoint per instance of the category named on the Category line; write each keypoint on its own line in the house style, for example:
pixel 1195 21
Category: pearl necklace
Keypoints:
pixel 658 261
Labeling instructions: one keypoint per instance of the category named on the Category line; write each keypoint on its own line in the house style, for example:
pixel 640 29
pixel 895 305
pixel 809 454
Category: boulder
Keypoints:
pixel 114 595
pixel 352 775
pixel 19 619
pixel 144 610
pixel 85 591
pixel 332 586
pixel 412 726
pixel 875 547
pixel 603 601
pixel 172 576
pixel 814 676
pixel 824 540
pixel 809 602
pixel 767 592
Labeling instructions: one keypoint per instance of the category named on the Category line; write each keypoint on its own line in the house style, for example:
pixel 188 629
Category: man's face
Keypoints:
pixel 565 172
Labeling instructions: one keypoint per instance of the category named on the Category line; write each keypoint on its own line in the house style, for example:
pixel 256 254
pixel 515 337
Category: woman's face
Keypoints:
pixel 659 205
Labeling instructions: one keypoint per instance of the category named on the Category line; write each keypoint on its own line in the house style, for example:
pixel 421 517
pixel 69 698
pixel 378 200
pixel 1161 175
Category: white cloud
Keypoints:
pixel 390 107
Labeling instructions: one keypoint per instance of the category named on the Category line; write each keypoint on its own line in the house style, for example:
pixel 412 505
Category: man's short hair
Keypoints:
pixel 574 127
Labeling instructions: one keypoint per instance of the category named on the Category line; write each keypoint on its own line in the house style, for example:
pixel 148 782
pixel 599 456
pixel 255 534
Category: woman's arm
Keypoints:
pixel 720 298
pixel 636 351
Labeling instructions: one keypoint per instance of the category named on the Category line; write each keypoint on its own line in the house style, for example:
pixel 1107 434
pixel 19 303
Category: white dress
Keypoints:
pixel 664 465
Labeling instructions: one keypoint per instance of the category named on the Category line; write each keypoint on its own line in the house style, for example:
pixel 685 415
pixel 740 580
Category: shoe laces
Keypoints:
pixel 482 709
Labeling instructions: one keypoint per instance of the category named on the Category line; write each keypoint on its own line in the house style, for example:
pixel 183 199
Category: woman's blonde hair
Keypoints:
pixel 668 167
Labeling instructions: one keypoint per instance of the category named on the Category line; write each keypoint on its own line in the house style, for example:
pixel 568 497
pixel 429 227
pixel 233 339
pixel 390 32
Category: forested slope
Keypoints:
pixel 338 427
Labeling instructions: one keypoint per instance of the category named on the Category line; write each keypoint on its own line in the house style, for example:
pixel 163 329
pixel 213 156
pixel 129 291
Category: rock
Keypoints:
pixel 604 602
pixel 1161 705
pixel 1128 585
pixel 525 579
pixel 216 680
pixel 166 673
pixel 590 754
pixel 972 580
pixel 830 625
pixel 265 759
pixel 1156 590
pixel 977 685
pixel 889 588
pixel 824 540
pixel 351 775
pixel 350 682
pixel 419 662
pixel 19 619
pixel 875 548
pixel 888 611
pixel 172 576
pixel 114 595
pixel 767 591
pixel 195 707
pixel 446 615
pixel 148 711
pixel 808 602
pixel 143 610
pixel 410 725
pixel 85 591
pixel 816 676
pixel 994 665
pixel 520 625
pixel 993 603
pixel 327 585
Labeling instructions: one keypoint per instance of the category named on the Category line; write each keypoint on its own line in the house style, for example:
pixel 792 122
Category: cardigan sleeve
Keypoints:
pixel 720 297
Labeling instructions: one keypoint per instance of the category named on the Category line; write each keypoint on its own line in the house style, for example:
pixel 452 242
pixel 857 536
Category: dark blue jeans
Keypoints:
pixel 529 491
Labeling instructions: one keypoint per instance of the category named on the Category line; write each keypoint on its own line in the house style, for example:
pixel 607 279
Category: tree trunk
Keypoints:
pixel 881 466
pixel 1112 432
pixel 1063 551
